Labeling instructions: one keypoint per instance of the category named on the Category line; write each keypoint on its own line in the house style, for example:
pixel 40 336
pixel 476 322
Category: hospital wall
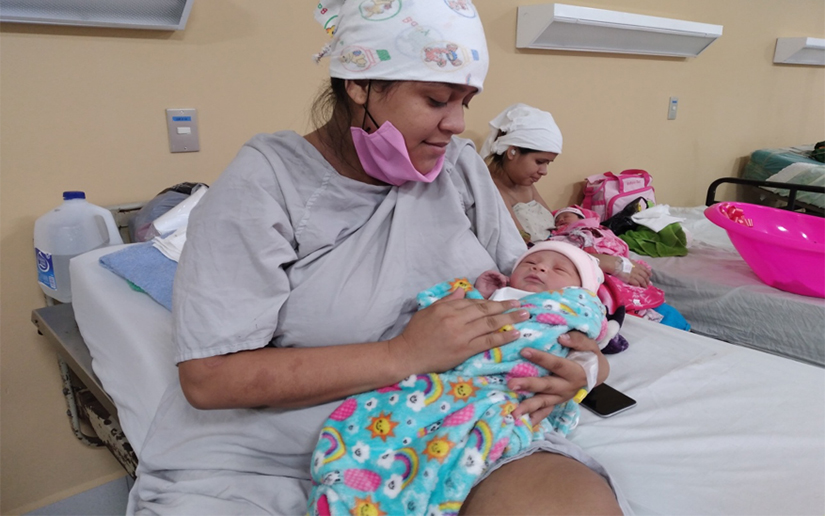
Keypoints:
pixel 83 109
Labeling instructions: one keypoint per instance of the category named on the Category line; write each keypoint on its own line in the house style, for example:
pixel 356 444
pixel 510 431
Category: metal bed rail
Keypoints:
pixel 790 200
pixel 87 403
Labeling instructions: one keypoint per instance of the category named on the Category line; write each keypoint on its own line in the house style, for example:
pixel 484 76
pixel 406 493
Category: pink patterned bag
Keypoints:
pixel 607 194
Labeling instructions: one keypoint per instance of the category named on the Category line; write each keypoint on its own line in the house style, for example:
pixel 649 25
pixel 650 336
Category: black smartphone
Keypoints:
pixel 605 401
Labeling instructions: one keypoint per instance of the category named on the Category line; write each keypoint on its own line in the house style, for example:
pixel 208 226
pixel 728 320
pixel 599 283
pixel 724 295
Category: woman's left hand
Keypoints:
pixel 565 380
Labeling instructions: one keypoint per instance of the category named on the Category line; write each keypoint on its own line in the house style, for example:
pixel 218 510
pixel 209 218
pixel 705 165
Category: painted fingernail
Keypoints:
pixel 518 389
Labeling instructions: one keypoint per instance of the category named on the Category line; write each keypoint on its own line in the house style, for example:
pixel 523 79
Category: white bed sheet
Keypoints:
pixel 718 428
pixel 129 336
pixel 720 296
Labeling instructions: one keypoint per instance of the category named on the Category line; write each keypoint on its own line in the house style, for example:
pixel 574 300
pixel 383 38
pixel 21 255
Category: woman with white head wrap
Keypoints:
pixel 523 140
pixel 523 127
pixel 297 284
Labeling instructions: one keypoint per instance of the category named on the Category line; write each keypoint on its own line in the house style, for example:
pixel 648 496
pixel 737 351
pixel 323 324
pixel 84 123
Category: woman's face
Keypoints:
pixel 524 169
pixel 545 270
pixel 428 114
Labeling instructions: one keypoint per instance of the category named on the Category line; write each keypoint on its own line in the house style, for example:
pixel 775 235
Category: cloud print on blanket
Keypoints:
pixel 146 268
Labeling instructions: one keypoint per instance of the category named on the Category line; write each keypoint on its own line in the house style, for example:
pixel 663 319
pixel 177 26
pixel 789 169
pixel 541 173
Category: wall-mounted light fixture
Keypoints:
pixel 804 51
pixel 570 27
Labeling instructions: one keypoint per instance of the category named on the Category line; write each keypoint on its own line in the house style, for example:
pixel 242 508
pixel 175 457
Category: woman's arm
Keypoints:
pixel 437 338
pixel 638 276
pixel 287 377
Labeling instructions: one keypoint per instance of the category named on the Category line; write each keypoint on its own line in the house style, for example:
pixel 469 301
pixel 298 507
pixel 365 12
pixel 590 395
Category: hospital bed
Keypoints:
pixel 790 165
pixel 721 297
pixel 718 428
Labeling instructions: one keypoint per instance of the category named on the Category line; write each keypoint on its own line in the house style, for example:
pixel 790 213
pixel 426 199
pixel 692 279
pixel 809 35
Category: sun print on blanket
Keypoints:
pixel 417 447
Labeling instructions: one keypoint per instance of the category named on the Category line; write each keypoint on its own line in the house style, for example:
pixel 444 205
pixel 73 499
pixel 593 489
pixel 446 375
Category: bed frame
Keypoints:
pixel 92 413
pixel 768 197
pixel 88 404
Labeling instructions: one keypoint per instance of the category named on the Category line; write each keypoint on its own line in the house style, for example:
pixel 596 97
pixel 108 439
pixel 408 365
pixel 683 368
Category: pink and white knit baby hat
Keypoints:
pixel 588 267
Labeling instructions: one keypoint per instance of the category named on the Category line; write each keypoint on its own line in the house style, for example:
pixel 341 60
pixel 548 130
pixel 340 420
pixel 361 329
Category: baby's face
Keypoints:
pixel 545 270
pixel 566 218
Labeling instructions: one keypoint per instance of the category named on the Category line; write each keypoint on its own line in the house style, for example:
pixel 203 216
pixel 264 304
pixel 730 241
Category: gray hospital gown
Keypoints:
pixel 278 232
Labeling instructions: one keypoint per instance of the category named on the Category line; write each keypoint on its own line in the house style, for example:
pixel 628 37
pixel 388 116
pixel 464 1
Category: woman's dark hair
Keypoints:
pixel 332 111
pixel 496 161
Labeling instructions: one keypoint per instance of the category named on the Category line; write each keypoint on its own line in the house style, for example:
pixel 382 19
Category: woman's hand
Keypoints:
pixel 567 377
pixel 639 275
pixel 451 330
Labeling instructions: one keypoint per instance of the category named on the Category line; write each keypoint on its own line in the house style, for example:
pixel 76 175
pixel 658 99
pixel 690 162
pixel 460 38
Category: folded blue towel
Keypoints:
pixel 145 267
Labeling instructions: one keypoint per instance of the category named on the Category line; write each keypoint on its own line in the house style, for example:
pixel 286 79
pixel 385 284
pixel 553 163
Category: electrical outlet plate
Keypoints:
pixel 183 130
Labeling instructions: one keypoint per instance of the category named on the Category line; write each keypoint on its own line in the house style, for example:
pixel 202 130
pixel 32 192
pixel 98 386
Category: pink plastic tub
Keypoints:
pixel 785 249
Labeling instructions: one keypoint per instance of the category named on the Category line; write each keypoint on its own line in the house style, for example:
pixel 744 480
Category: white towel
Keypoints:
pixel 171 245
pixel 178 216
pixel 656 218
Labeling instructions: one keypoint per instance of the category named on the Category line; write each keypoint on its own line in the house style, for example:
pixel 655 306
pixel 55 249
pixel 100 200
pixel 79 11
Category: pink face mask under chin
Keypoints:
pixel 384 156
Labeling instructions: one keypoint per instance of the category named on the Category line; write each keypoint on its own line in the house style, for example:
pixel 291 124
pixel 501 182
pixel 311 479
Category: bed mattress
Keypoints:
pixel 764 163
pixel 129 336
pixel 788 165
pixel 720 296
pixel 718 428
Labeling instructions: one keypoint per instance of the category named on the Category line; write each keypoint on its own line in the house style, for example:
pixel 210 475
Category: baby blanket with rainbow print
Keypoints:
pixel 418 447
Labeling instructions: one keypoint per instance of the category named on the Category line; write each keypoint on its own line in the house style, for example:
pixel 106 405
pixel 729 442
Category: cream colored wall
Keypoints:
pixel 612 109
pixel 84 109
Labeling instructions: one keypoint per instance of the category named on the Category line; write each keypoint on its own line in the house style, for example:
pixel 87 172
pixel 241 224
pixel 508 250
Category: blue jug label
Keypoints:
pixel 45 269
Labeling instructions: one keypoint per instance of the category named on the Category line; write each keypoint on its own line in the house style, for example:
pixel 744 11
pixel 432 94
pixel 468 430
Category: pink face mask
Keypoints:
pixel 384 156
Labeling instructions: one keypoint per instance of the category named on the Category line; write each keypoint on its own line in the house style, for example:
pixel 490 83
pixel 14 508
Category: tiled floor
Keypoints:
pixel 106 500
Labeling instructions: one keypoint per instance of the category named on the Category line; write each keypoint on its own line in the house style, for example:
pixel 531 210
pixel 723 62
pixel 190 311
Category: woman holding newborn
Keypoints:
pixel 297 284
pixel 523 141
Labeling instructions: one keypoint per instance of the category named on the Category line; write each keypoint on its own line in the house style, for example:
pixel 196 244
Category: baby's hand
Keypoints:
pixel 489 282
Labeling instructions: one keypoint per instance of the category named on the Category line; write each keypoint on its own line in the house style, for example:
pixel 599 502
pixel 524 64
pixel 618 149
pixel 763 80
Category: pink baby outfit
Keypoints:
pixel 589 235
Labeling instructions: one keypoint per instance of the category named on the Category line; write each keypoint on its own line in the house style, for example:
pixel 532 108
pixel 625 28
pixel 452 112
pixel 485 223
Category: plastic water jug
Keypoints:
pixel 72 228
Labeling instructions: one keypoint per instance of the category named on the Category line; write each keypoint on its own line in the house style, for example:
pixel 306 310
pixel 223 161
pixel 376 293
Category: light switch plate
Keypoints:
pixel 183 130
pixel 673 106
